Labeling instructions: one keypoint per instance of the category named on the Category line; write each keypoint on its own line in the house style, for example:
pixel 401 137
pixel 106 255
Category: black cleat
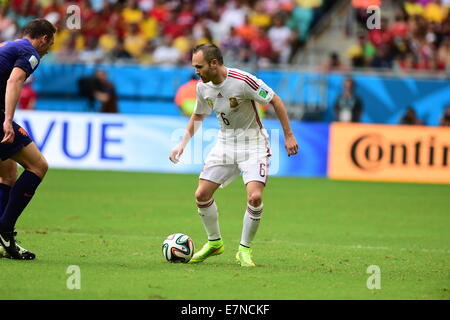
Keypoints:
pixel 13 250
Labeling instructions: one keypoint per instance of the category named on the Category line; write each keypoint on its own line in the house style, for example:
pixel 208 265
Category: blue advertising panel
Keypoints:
pixel 142 143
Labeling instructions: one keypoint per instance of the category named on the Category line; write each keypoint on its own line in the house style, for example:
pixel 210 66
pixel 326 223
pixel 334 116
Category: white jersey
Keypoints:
pixel 233 100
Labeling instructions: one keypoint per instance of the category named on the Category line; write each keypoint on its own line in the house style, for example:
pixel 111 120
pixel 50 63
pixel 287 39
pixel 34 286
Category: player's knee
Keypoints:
pixel 40 167
pixel 255 198
pixel 44 166
pixel 202 195
pixel 8 172
pixel 9 178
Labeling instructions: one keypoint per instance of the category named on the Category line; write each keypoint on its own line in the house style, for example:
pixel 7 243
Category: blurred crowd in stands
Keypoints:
pixel 416 38
pixel 265 32
pixel 164 31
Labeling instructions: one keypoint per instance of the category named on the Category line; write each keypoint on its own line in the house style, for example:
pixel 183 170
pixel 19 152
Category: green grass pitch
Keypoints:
pixel 316 240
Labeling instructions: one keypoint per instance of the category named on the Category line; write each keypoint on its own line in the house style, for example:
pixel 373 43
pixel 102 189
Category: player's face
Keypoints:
pixel 202 68
pixel 45 44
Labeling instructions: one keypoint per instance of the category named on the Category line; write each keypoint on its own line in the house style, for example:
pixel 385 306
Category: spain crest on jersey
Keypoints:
pixel 233 102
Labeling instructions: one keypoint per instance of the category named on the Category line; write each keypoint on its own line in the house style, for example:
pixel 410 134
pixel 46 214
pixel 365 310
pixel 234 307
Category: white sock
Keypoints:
pixel 210 218
pixel 251 223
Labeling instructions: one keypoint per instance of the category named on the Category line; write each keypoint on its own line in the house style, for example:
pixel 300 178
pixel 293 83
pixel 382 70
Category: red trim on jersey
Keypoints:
pixel 244 75
pixel 246 79
pixel 257 115
pixel 258 120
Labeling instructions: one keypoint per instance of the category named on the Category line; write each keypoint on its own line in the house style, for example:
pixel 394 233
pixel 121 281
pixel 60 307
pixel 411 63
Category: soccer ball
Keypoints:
pixel 178 247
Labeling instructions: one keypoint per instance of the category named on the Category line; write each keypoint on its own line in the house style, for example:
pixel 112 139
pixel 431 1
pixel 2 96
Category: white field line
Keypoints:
pixel 300 244
pixel 355 246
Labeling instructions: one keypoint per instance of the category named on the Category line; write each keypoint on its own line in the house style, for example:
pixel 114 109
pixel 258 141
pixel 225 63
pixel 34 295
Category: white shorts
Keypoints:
pixel 224 163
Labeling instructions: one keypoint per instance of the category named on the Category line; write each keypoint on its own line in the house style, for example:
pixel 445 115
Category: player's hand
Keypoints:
pixel 291 145
pixel 176 153
pixel 9 132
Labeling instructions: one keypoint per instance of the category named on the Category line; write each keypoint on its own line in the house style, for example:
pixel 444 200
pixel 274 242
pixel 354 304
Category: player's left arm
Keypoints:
pixel 290 142
pixel 255 89
pixel 13 88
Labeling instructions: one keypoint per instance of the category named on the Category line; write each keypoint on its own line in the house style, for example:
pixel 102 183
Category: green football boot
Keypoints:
pixel 244 257
pixel 211 248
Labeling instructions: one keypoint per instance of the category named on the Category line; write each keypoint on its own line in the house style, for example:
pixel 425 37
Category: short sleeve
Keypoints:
pixel 258 91
pixel 27 61
pixel 201 106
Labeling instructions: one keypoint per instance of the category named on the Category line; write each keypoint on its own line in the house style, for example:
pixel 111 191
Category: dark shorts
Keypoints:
pixel 21 140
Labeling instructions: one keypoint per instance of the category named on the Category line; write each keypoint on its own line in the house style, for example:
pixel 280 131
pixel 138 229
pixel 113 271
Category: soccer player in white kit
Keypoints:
pixel 242 146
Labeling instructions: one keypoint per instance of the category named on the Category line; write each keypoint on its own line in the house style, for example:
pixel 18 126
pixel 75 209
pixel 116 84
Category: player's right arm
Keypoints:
pixel 191 128
pixel 201 110
pixel 13 88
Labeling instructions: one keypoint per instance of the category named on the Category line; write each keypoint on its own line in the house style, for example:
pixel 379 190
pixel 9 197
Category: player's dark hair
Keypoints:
pixel 38 28
pixel 210 52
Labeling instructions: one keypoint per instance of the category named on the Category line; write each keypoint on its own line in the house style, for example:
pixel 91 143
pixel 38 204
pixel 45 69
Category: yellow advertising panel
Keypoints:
pixel 389 153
